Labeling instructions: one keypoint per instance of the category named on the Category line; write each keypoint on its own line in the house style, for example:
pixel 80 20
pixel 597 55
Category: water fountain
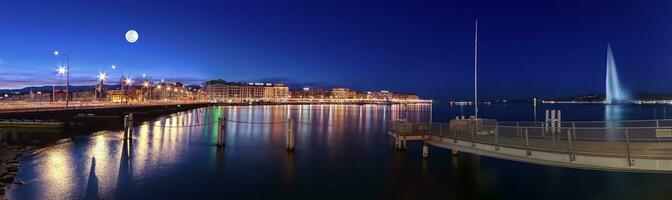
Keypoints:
pixel 615 94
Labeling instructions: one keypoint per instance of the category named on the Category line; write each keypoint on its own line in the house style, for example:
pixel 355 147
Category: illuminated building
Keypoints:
pixel 222 91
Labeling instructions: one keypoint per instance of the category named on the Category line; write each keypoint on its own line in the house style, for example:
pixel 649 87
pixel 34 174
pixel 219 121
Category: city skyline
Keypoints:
pixel 335 99
pixel 546 50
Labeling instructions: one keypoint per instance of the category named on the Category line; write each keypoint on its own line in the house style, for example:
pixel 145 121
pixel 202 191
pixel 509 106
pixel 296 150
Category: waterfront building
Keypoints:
pixel 343 93
pixel 125 95
pixel 222 91
pixel 311 93
pixel 405 97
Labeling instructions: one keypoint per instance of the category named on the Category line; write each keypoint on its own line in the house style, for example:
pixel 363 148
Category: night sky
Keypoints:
pixel 527 48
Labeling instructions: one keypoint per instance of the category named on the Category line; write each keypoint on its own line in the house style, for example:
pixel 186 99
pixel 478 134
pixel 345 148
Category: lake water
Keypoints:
pixel 342 152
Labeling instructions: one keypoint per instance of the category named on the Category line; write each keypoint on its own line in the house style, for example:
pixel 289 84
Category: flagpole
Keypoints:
pixel 476 71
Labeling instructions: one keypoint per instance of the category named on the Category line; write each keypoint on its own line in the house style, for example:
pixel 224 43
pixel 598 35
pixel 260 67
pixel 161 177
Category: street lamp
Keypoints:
pixel 65 70
pixel 102 76
pixel 59 71
pixel 128 83
pixel 149 89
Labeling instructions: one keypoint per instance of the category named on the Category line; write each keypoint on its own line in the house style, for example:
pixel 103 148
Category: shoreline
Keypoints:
pixel 10 166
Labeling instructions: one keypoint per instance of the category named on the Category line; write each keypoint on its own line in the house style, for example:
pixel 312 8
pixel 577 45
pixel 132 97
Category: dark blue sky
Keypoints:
pixel 527 48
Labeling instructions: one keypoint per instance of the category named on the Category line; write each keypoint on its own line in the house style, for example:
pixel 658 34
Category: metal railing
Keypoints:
pixel 642 141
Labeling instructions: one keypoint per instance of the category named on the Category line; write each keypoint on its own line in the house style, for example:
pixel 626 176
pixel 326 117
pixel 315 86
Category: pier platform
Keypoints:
pixel 574 144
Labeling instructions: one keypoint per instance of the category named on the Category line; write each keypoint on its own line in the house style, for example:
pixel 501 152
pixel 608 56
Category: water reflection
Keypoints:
pixel 613 114
pixel 92 185
pixel 342 150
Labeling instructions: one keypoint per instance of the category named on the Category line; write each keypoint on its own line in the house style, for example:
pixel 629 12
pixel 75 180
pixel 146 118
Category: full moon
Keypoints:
pixel 132 36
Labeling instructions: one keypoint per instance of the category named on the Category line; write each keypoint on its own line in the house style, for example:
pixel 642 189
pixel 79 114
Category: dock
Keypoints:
pixel 614 147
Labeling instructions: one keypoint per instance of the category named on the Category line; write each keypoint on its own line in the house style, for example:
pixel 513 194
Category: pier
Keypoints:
pixel 629 146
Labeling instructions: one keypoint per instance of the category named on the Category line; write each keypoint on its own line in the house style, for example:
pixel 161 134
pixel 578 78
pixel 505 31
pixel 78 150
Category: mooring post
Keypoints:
pixel 290 136
pixel 558 119
pixel 425 150
pixel 125 127
pixel 221 134
pixel 553 122
pixel 130 125
pixel 547 118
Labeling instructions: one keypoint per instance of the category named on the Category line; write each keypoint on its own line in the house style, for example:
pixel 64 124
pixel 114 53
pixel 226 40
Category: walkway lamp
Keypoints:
pixel 65 70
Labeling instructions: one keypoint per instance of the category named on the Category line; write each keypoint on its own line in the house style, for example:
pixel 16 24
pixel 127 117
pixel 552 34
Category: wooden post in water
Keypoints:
pixel 290 135
pixel 130 125
pixel 221 134
pixel 425 151
pixel 125 127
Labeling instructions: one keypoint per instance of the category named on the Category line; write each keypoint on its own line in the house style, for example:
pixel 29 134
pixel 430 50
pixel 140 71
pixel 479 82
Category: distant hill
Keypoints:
pixel 601 97
pixel 48 88
pixel 72 88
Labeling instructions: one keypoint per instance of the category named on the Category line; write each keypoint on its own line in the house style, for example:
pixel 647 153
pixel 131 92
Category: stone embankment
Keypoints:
pixel 9 166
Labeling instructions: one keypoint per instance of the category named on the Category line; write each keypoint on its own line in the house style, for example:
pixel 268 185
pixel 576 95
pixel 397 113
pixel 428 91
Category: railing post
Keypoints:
pixel 520 135
pixel 547 119
pixel 611 129
pixel 627 148
pixel 657 127
pixel 569 145
pixel 473 133
pixel 574 130
pixel 558 119
pixel 496 136
pixel 440 129
pixel 527 142
pixel 290 136
pixel 455 133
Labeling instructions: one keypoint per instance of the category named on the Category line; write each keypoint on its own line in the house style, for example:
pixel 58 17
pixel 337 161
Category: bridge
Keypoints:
pixel 628 146
pixel 89 112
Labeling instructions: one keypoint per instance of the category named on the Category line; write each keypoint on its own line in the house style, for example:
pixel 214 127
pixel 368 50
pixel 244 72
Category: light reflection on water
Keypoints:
pixel 64 171
pixel 342 152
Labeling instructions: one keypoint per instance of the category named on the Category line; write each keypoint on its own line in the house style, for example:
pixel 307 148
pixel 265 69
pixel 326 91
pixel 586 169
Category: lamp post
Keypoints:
pixel 59 71
pixel 101 76
pixel 67 76
pixel 128 82
pixel 146 85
